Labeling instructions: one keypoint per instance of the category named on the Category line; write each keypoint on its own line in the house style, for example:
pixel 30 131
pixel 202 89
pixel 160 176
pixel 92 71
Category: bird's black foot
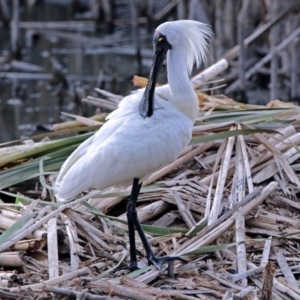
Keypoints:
pixel 159 261
pixel 131 268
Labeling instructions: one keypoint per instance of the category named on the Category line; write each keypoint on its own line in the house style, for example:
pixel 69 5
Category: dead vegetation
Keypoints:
pixel 228 204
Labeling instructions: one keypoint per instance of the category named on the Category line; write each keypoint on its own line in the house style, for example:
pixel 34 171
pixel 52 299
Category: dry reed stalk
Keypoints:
pixel 260 226
pixel 271 169
pixel 98 102
pixel 289 202
pixel 90 228
pixel 284 134
pixel 129 293
pixel 281 160
pixel 277 295
pixel 287 272
pixel 10 213
pixel 286 290
pixel 243 293
pixel 75 248
pixel 227 215
pixel 78 295
pixel 38 287
pixel 20 234
pixel 209 73
pixel 291 287
pixel 12 276
pixel 268 281
pixel 112 97
pixel 52 248
pixel 213 176
pixel 183 211
pixel 11 259
pixel 246 164
pixel 148 211
pixel 266 252
pixel 146 292
pixel 246 274
pixel 224 281
pixel 215 209
pixel 228 294
pixel 83 120
pixel 72 124
pixel 95 241
pixel 241 247
pixel 216 232
pixel 276 219
pixel 28 245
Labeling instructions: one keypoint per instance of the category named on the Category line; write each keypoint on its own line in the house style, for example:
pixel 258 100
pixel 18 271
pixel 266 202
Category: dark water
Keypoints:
pixel 28 106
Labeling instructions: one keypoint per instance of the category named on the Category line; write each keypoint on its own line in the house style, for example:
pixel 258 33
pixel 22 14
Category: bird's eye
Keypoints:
pixel 160 39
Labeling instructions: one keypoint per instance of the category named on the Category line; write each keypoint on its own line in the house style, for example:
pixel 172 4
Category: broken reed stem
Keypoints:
pixel 241 247
pixel 52 249
pixel 215 209
pixel 228 214
pixel 287 272
pixel 39 223
pixel 54 281
pixel 75 248
pixel 197 242
pixel 209 238
pixel 268 281
pixel 78 295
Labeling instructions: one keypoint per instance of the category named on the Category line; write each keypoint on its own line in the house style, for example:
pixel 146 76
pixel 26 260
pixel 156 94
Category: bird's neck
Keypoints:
pixel 183 97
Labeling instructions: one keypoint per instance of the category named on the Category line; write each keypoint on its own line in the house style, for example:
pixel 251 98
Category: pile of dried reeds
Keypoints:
pixel 228 204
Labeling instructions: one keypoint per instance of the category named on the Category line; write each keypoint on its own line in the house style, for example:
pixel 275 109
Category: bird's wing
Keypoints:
pixel 135 149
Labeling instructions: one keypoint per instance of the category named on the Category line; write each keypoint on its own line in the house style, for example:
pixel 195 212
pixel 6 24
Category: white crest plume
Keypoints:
pixel 194 35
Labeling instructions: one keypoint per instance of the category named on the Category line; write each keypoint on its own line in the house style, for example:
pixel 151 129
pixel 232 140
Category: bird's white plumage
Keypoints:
pixel 191 35
pixel 129 146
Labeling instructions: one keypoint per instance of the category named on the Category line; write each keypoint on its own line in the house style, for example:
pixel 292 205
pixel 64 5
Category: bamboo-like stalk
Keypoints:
pixel 241 247
pixel 243 293
pixel 209 238
pixel 284 289
pixel 80 121
pixel 75 248
pixel 38 287
pixel 183 211
pixel 52 248
pixel 149 211
pixel 215 210
pixel 96 234
pixel 11 259
pixel 73 294
pixel 268 281
pixel 288 274
pixel 266 252
pixel 29 245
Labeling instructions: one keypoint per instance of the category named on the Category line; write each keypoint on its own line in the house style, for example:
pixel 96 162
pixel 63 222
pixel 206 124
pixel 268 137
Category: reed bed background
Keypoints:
pixel 228 204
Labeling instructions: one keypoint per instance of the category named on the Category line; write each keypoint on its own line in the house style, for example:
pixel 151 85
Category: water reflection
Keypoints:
pixel 31 98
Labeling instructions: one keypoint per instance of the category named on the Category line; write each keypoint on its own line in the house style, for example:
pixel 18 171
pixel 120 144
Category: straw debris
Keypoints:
pixel 228 204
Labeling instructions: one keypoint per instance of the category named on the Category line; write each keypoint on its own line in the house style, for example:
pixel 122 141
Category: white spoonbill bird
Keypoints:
pixel 148 130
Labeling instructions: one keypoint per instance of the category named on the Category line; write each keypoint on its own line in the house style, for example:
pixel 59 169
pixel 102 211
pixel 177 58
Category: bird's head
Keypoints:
pixel 187 35
pixel 192 36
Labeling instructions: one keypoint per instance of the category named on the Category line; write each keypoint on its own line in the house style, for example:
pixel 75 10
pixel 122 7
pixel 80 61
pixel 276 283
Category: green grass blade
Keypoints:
pixel 227 134
pixel 148 228
pixel 19 224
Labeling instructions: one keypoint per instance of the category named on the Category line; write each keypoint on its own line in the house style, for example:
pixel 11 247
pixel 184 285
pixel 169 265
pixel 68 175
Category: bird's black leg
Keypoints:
pixel 131 215
pixel 152 259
